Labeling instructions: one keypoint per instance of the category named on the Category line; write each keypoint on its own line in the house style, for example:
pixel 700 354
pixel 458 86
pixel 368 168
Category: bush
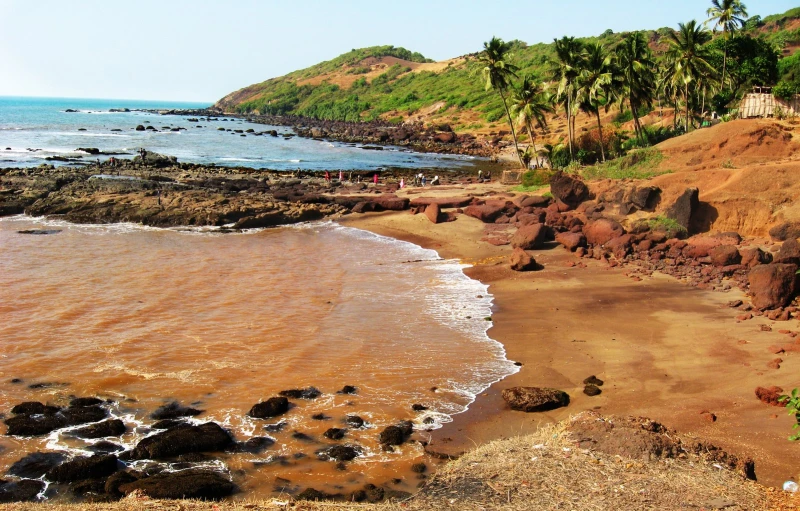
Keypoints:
pixel 785 90
pixel 666 225
pixel 793 407
pixel 640 164
pixel 538 177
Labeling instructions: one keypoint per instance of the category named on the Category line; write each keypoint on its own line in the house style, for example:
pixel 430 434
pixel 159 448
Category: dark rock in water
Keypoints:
pixel 208 437
pixel 111 427
pixel 320 417
pixel 90 150
pixel 70 111
pixel 340 453
pixel 418 407
pixel 34 407
pixel 274 428
pixel 92 489
pixel 396 435
pixel 16 380
pixel 592 390
pixel 312 494
pixel 272 407
pixel 167 424
pixel 140 128
pixel 535 399
pixel 50 418
pixel 82 415
pixel 593 380
pixel 298 435
pixel 419 468
pixel 354 421
pixel 347 389
pixel 116 480
pixel 257 444
pixel 39 232
pixel 46 385
pixel 334 433
pixel 20 491
pixel 85 401
pixel 187 484
pixel 308 393
pixel 105 448
pixel 36 464
pixel 83 468
pixel 173 411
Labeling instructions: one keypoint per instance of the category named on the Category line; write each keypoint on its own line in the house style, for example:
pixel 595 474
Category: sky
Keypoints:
pixel 200 50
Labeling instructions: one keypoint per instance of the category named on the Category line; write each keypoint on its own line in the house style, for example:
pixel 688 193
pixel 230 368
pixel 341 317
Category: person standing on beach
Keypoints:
pixel 327 176
pixel 402 183
pixel 375 178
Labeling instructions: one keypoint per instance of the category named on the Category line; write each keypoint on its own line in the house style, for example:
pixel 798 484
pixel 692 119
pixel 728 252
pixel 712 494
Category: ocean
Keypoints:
pixel 33 129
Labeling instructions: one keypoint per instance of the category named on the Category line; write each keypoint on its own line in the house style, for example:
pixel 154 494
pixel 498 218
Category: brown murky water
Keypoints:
pixel 143 317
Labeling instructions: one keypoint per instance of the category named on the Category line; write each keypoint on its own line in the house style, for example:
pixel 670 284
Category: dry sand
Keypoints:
pixel 665 350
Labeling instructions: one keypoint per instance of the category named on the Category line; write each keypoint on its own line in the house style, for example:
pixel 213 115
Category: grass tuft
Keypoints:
pixel 640 164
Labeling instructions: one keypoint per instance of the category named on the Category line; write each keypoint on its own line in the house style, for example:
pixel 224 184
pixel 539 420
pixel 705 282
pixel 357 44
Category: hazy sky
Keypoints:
pixel 200 50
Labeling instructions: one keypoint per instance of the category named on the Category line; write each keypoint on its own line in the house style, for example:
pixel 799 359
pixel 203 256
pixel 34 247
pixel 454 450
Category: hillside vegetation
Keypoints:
pixel 398 85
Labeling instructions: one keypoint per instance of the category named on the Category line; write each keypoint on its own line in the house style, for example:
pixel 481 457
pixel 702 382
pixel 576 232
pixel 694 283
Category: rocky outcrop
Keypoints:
pixel 602 231
pixel 772 285
pixel 684 206
pixel 25 490
pixel 183 439
pixel 186 484
pixel 34 419
pixel 92 467
pixel 568 189
pixel 535 399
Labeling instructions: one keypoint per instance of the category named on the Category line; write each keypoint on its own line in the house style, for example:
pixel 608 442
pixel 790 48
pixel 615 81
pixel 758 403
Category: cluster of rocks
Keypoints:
pixel 108 474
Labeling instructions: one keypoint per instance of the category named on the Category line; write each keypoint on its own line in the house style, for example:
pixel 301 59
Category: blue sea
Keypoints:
pixel 33 129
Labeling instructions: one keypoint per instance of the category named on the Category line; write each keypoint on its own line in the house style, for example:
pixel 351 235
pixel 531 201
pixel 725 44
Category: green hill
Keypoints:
pixel 396 84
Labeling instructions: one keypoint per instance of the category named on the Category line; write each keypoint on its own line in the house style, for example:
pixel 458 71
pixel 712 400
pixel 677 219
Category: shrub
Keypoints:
pixel 640 164
pixel 793 407
pixel 538 177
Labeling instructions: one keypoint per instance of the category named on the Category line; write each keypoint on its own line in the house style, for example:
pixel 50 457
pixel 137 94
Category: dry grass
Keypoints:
pixel 543 471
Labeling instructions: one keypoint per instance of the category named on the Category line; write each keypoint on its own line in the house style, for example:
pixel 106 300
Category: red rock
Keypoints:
pixel 744 317
pixel 772 285
pixel 571 240
pixel 432 212
pixel 725 255
pixel 619 246
pixel 775 363
pixel 784 332
pixel 524 201
pixel 529 237
pixel 488 212
pixel 602 231
pixel 765 328
pixel 644 245
pixel 789 252
pixel 710 417
pixel 522 261
pixel 754 256
pixel 568 189
pixel 443 202
pixel 775 350
pixel 524 219
pixel 769 395
pixel 701 244
pixel 497 242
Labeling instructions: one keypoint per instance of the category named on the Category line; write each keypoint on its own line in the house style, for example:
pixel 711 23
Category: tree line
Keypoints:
pixel 695 75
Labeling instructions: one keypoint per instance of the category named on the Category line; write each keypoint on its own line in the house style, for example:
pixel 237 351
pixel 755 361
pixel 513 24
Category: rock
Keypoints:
pixel 432 212
pixel 173 411
pixel 571 240
pixel 92 467
pixel 619 246
pixel 442 202
pixel 396 435
pixel 183 439
pixel 785 231
pixel 419 468
pixel 105 447
pixel 111 427
pixel 602 231
pixel 51 419
pixel 775 363
pixel 312 494
pixel 20 491
pixel 79 402
pixel 488 212
pixel 334 433
pixel 186 484
pixel 592 390
pixel 272 407
pixel 789 252
pixel 117 479
pixel 347 389
pixel 754 256
pixel 684 206
pixel 522 261
pixel 257 444
pixel 770 395
pixel 307 393
pixel 36 464
pixel 354 421
pixel 445 138
pixel 34 407
pixel 340 453
pixel 593 380
pixel 533 201
pixel 772 285
pixel 725 255
pixel 529 237
pixel 140 128
pixel 535 399
pixel 643 197
pixel 568 189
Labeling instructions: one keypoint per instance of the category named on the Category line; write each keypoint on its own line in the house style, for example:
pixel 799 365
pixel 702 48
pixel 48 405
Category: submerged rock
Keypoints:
pixel 83 468
pixel 272 407
pixel 20 491
pixel 396 435
pixel 307 393
pixel 36 464
pixel 174 410
pixel 111 427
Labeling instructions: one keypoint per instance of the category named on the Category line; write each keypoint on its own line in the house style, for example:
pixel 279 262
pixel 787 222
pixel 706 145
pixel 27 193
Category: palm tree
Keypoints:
pixel 565 71
pixel 498 72
pixel 530 102
pixel 688 58
pixel 729 15
pixel 598 83
pixel 636 68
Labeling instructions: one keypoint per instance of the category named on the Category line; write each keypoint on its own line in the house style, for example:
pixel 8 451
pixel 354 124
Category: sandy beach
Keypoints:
pixel 665 350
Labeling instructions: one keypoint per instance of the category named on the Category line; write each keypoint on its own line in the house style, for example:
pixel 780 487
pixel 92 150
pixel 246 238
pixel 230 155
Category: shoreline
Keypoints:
pixel 648 361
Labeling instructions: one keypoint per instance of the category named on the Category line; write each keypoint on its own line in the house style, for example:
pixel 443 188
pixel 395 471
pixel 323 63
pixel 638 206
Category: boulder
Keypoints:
pixel 568 189
pixel 306 393
pixel 571 240
pixel 701 245
pixel 535 399
pixel 183 439
pixel 488 212
pixel 442 202
pixel 173 411
pixel 772 285
pixel 396 435
pixel 340 453
pixel 529 237
pixel 789 253
pixel 619 246
pixel 602 231
pixel 272 407
pixel 140 128
pixel 36 464
pixel 447 137
pixel 186 484
pixel 522 261
pixel 51 419
pixel 91 467
pixel 644 197
pixel 684 206
pixel 533 201
pixel 754 256
pixel 20 491
pixel 391 202
pixel 111 427
pixel 725 255
pixel 786 231
pixel 770 395
pixel 432 212
pixel 79 402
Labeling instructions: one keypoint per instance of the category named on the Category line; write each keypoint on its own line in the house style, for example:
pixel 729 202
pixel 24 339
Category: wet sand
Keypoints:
pixel 665 350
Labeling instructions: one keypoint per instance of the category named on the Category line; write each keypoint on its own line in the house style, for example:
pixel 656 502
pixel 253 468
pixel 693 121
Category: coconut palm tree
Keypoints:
pixel 688 58
pixel 637 73
pixel 565 71
pixel 598 84
pixel 530 102
pixel 498 72
pixel 730 16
